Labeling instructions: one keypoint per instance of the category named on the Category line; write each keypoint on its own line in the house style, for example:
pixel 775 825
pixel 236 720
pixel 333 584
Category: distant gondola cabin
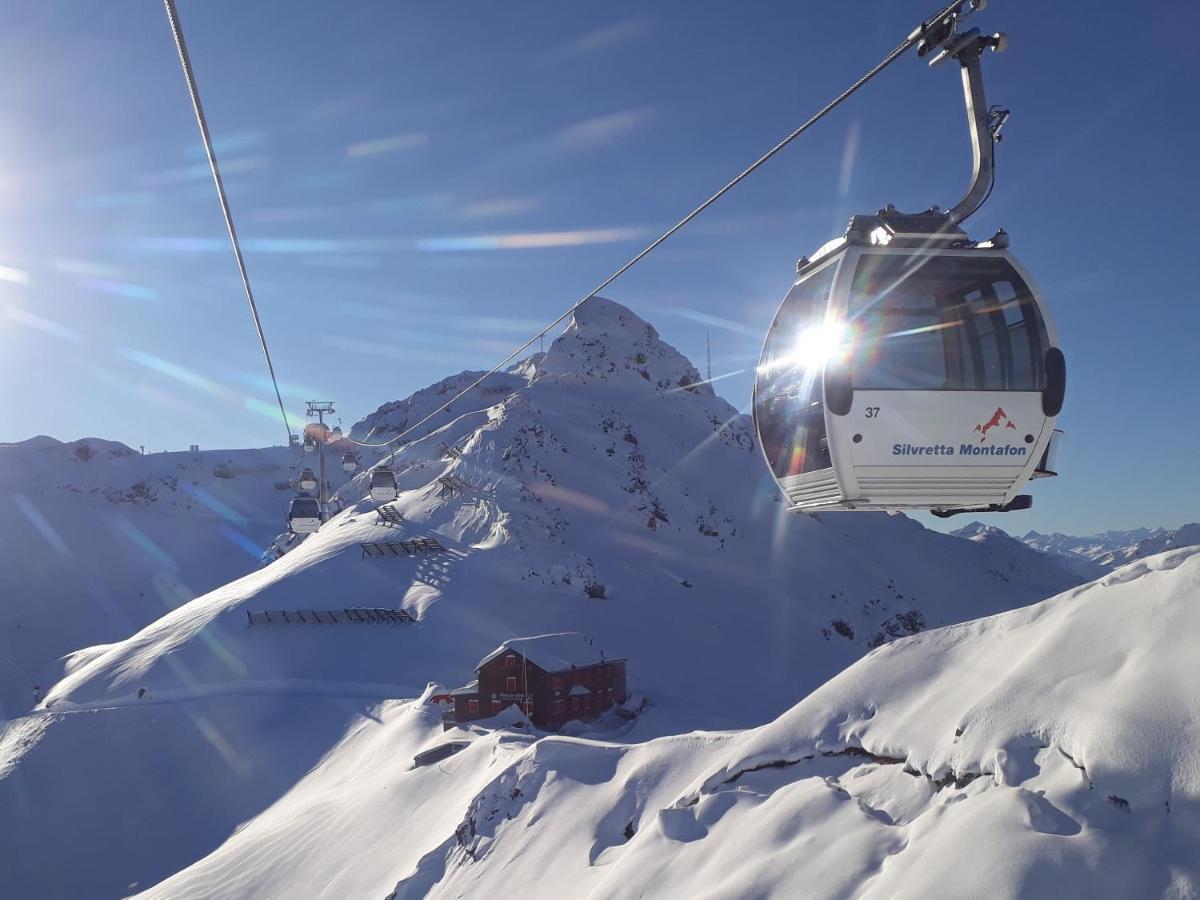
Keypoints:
pixel 553 678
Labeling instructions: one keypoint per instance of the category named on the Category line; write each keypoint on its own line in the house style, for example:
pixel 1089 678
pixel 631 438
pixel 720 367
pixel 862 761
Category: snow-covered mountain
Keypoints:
pixel 1091 545
pixel 1046 752
pixel 1162 540
pixel 99 540
pixel 1016 556
pixel 1102 552
pixel 597 488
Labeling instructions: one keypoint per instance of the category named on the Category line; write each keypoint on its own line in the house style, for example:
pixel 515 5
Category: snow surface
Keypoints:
pixel 99 541
pixel 1046 752
pixel 554 652
pixel 600 489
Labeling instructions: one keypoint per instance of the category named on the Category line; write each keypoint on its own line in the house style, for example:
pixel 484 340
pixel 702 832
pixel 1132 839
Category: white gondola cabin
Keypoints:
pixel 304 515
pixel 307 480
pixel 909 369
pixel 383 484
pixel 349 462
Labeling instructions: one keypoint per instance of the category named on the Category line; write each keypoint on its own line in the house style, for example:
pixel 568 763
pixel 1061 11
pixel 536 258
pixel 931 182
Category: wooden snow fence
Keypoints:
pixel 452 484
pixel 402 548
pixel 388 515
pixel 357 615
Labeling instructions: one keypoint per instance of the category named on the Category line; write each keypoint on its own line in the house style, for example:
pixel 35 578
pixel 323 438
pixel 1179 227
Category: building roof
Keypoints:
pixel 469 688
pixel 578 690
pixel 554 652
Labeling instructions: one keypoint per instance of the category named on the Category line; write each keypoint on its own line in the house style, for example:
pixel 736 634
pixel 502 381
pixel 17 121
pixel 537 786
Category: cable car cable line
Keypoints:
pixel 916 36
pixel 194 92
pixel 994 341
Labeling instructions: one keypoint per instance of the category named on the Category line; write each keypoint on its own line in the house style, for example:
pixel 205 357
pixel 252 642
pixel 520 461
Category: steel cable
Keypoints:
pixel 193 91
pixel 895 54
pixel 189 75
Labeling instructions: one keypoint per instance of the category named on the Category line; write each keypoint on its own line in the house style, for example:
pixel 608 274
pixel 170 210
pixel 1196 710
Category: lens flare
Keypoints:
pixel 143 542
pixel 813 348
pixel 40 523
pixel 38 323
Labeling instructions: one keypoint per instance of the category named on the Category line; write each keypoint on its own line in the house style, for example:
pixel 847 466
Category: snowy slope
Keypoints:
pixel 99 540
pixel 609 468
pixel 1046 752
pixel 601 489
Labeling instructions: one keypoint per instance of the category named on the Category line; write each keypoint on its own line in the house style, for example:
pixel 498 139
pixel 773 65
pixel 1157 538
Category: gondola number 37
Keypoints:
pixel 872 412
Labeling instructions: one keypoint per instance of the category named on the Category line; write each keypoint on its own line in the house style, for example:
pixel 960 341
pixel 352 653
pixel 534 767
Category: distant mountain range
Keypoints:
pixel 1090 556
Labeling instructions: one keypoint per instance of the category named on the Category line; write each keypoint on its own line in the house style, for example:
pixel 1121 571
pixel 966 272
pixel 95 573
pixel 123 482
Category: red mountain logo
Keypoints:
pixel 999 418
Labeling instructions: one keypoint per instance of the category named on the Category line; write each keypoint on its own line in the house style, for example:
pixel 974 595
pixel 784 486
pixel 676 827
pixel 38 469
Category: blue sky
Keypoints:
pixel 420 186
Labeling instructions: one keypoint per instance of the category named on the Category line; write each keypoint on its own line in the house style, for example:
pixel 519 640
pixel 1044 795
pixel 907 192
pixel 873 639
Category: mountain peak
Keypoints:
pixel 976 528
pixel 606 341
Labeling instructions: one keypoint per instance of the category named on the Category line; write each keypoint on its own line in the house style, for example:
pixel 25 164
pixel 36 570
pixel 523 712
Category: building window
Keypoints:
pixel 575 703
pixel 587 701
pixel 510 662
pixel 558 684
pixel 473 706
pixel 495 707
pixel 558 706
pixel 510 683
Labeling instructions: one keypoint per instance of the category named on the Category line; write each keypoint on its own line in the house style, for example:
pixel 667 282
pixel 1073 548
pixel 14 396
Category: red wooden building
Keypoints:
pixel 553 678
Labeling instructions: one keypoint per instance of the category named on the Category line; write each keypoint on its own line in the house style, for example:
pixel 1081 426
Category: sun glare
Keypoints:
pixel 814 347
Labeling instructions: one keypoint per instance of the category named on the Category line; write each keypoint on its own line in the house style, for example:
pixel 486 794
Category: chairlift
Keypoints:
pixel 304 515
pixel 307 480
pixel 349 462
pixel 910 367
pixel 383 484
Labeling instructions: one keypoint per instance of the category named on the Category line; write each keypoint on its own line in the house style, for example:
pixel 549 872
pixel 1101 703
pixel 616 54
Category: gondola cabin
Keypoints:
pixel 909 368
pixel 304 515
pixel 383 484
